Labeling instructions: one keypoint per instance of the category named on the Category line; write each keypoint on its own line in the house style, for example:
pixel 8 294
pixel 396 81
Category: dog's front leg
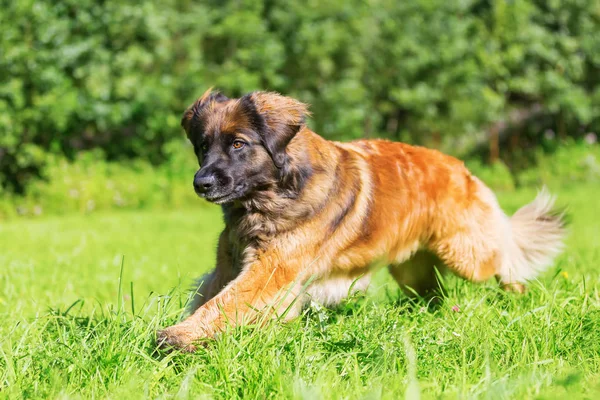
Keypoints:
pixel 267 285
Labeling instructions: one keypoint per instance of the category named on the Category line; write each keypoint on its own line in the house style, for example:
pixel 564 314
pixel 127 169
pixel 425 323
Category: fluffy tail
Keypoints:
pixel 536 238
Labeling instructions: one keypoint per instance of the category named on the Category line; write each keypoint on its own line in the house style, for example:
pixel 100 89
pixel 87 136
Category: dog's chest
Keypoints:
pixel 247 234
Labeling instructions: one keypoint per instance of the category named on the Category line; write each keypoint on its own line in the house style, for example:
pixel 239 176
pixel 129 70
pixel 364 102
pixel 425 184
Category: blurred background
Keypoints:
pixel 91 91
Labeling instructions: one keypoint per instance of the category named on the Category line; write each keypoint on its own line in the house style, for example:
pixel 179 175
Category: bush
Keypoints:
pixel 84 74
pixel 497 176
pixel 570 163
pixel 90 184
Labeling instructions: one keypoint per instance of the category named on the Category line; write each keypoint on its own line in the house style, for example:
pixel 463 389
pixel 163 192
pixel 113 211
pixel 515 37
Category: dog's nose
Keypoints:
pixel 202 184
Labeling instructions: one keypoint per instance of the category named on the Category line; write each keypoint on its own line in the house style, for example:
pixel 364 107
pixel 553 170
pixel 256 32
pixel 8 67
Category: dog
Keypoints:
pixel 310 219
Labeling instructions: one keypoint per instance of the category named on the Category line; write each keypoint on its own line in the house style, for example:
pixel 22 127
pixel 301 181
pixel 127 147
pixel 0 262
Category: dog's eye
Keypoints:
pixel 204 148
pixel 238 144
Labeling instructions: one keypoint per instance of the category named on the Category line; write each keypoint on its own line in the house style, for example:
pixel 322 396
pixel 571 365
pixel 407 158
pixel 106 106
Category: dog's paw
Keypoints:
pixel 514 288
pixel 175 338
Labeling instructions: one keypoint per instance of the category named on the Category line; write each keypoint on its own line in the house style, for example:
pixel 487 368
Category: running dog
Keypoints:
pixel 308 218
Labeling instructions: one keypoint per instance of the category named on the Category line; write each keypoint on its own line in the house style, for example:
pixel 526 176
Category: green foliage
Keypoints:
pixel 90 184
pixel 113 75
pixel 497 176
pixel 568 165
pixel 93 343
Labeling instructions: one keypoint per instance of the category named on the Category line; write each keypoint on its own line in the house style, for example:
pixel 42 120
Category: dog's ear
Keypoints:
pixel 194 112
pixel 277 118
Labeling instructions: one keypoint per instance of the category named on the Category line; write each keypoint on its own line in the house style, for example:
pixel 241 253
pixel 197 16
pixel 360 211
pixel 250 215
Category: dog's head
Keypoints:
pixel 241 143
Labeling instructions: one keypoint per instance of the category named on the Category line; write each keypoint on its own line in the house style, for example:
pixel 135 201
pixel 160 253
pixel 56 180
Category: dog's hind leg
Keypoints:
pixel 484 242
pixel 419 275
pixel 472 249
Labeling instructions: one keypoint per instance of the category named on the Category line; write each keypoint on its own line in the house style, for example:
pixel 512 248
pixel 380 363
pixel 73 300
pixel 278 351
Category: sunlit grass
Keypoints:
pixel 66 332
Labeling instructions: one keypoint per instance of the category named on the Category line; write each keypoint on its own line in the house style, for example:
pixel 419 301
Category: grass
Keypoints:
pixel 81 298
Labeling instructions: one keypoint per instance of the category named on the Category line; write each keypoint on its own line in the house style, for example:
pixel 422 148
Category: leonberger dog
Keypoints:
pixel 310 219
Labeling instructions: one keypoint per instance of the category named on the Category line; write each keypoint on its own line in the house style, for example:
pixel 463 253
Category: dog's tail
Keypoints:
pixel 536 237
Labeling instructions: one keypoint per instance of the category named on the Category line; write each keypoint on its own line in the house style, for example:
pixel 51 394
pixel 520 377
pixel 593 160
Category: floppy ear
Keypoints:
pixel 194 112
pixel 277 118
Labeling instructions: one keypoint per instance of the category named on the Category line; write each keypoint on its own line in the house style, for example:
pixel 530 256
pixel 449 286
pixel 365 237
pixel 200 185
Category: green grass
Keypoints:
pixel 71 328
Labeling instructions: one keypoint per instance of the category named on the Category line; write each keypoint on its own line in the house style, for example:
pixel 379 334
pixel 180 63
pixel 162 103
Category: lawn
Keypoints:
pixel 81 298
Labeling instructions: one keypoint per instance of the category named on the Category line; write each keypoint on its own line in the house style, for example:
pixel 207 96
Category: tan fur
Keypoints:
pixel 366 204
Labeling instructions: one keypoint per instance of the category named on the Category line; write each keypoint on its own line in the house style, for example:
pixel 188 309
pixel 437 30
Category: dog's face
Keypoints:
pixel 240 143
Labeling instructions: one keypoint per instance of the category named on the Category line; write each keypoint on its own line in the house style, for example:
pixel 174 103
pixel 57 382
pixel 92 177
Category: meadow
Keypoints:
pixel 101 233
pixel 81 297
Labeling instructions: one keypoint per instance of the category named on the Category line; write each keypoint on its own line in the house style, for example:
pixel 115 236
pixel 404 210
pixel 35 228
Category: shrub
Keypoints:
pixel 497 175
pixel 570 163
pixel 85 74
pixel 90 184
